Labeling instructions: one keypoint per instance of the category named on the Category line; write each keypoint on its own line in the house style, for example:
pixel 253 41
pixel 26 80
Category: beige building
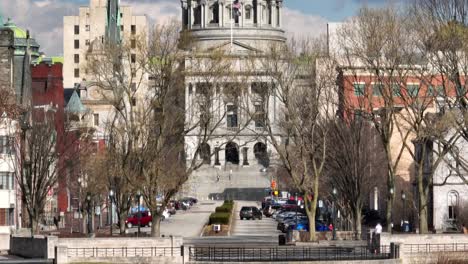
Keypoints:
pixel 101 20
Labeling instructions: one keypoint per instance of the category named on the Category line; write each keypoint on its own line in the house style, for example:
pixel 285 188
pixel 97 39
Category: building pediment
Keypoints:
pixel 237 48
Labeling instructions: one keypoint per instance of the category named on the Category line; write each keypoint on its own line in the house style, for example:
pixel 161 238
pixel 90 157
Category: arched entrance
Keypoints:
pixel 260 152
pixel 232 153
pixel 205 153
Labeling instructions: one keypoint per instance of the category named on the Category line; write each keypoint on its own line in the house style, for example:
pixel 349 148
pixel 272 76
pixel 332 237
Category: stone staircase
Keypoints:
pixel 228 182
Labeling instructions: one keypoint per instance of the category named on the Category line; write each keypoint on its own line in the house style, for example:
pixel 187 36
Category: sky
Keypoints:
pixel 44 18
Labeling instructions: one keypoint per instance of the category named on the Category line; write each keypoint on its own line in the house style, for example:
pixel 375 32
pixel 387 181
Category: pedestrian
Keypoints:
pixel 378 229
pixel 56 222
pixel 330 227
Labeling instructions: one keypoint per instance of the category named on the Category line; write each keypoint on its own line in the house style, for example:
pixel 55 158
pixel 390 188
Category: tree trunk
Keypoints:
pixel 423 214
pixel 34 225
pixel 311 209
pixel 122 226
pixel 390 199
pixel 357 224
pixel 156 224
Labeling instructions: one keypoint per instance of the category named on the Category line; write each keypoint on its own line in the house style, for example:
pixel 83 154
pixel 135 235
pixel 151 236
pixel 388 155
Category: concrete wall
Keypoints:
pixel 432 239
pixel 33 247
pixel 380 261
pixel 45 247
pixel 119 243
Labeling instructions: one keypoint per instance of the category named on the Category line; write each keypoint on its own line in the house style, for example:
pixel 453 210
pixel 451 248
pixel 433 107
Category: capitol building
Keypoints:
pixel 238 159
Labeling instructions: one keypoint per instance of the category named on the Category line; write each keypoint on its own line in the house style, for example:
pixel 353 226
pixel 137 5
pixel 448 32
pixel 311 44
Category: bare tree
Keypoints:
pixel 354 151
pixel 373 72
pixel 301 80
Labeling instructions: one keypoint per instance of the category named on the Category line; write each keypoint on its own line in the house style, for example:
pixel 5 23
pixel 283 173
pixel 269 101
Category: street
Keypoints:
pixel 185 223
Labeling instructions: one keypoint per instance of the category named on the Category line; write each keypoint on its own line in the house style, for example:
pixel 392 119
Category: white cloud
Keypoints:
pixel 300 25
pixel 44 18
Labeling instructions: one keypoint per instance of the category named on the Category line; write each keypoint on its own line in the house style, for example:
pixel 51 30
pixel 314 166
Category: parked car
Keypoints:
pixel 145 219
pixel 250 212
pixel 191 200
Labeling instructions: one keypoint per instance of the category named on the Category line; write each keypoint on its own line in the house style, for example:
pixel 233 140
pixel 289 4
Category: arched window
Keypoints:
pixel 214 13
pixel 452 202
pixel 248 12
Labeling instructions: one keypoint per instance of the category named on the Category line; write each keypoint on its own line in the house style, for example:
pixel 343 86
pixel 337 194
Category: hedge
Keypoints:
pixel 220 218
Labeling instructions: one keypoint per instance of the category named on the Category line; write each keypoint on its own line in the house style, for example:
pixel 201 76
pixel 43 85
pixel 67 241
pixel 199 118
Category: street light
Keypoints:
pixel 139 213
pixel 79 205
pixel 334 191
pixel 111 197
pixel 403 198
pixel 90 219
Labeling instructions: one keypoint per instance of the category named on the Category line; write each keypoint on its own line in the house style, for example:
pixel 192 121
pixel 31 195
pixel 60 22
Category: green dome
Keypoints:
pixel 19 32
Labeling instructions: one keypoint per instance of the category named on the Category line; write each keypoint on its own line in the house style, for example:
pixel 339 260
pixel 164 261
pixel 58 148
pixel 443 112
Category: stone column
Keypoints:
pixel 203 16
pixel 259 14
pixel 242 14
pixel 273 14
pixel 191 15
pixel 280 7
pixel 221 14
pixel 245 151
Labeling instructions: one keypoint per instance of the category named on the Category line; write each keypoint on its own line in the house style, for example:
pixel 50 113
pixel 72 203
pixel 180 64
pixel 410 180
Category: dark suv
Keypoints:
pixel 250 212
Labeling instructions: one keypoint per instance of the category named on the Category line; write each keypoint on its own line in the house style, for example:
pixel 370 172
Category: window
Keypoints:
pixel 121 28
pixel 87 27
pixel 7 145
pixel 231 115
pixel 452 205
pixel 133 29
pixel 133 58
pixel 77 30
pixel 190 89
pixel 96 119
pixel 248 12
pixel 77 73
pixel 259 116
pixel 413 89
pixel 77 58
pixel 133 101
pixel 133 87
pixel 121 15
pixel 87 42
pixel 133 43
pixel 77 43
pixel 377 89
pixel 359 89
pixel 440 90
pixel 396 90
pixel 7 181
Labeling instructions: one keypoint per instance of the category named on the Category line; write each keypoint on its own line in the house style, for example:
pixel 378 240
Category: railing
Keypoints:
pixel 218 254
pixel 124 252
pixel 433 248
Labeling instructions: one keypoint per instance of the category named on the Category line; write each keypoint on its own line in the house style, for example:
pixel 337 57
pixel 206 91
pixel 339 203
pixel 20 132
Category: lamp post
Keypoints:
pixel 334 191
pixel 79 205
pixel 297 200
pixel 90 219
pixel 139 213
pixel 391 224
pixel 403 199
pixel 111 197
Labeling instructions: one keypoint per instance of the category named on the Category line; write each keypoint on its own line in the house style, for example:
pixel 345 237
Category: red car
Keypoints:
pixel 145 219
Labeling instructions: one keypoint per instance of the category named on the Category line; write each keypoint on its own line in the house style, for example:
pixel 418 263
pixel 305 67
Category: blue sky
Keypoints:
pixel 44 18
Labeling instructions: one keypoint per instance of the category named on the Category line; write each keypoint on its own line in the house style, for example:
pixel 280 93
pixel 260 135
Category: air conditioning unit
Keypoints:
pixel 12 205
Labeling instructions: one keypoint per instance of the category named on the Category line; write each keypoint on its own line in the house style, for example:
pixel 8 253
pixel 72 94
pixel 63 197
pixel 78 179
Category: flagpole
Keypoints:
pixel 232 25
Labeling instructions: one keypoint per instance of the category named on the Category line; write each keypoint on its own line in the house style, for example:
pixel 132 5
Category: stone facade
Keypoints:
pixel 238 158
pixel 450 193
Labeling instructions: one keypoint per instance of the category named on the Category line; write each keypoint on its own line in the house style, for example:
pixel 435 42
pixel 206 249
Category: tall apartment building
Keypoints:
pixel 101 20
